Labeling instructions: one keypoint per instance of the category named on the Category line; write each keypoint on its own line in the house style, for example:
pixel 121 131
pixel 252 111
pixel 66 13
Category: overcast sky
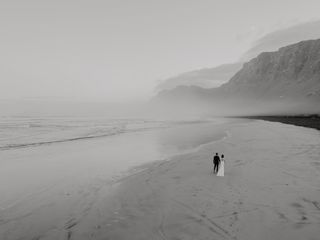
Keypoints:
pixel 118 50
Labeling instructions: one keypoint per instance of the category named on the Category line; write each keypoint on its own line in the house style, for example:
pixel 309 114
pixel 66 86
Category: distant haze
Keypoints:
pixel 119 50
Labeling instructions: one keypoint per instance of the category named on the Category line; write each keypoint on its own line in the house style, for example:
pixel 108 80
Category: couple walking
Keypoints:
pixel 218 164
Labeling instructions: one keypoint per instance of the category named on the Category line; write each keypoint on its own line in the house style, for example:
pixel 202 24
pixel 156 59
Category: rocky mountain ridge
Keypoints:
pixel 292 71
pixel 287 77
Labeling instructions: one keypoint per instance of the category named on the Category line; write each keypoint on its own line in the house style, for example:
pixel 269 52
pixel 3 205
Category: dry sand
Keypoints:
pixel 271 190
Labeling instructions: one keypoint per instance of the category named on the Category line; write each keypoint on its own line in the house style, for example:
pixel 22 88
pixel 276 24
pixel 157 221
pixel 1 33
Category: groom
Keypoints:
pixel 216 162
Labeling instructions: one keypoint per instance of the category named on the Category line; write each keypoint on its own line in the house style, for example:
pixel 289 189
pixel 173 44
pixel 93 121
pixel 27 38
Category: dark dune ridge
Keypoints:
pixel 310 121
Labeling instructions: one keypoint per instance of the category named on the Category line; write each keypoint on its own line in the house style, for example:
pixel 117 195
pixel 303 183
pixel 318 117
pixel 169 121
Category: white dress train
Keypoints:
pixel 221 169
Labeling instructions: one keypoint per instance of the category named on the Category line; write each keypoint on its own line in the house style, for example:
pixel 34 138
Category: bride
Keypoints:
pixel 221 168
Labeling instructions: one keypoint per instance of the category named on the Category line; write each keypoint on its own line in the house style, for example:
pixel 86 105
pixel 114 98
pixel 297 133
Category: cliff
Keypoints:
pixel 291 72
pixel 284 81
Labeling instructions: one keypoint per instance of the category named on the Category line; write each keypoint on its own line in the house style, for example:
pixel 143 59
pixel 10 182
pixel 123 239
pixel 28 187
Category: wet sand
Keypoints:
pixel 271 190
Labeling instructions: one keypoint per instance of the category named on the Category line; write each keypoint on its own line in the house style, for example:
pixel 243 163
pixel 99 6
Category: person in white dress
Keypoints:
pixel 221 167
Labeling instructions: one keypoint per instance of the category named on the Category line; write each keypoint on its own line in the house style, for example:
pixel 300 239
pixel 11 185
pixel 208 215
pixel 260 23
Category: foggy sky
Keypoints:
pixel 118 50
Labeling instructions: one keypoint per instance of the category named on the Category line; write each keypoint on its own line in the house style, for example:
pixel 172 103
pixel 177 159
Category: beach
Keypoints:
pixel 167 190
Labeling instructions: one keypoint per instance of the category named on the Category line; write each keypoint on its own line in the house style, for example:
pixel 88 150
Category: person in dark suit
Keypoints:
pixel 216 162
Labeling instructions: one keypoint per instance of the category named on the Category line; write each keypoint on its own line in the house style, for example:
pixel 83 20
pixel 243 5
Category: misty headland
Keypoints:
pixel 284 82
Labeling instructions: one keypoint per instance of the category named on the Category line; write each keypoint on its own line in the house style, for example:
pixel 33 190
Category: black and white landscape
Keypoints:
pixel 111 113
